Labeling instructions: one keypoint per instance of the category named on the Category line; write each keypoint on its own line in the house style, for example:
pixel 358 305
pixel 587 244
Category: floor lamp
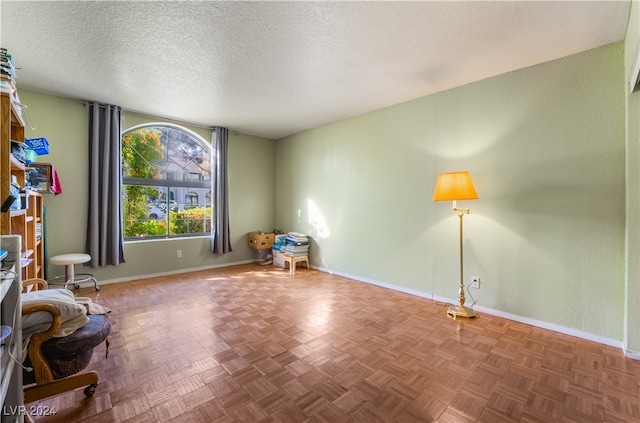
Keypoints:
pixel 455 186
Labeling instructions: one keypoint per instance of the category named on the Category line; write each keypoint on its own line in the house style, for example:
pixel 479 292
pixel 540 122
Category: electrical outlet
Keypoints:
pixel 475 282
pixel 178 253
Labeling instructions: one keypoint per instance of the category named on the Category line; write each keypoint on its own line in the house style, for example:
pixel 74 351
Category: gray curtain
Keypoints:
pixel 105 241
pixel 220 236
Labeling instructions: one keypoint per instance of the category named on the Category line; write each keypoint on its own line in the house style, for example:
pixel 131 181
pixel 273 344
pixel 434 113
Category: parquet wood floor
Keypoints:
pixel 256 344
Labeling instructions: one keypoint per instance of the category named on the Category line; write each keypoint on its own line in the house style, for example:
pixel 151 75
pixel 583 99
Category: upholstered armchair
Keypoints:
pixel 57 354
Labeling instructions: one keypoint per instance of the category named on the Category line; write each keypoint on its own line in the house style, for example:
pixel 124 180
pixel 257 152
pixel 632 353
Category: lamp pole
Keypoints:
pixel 461 293
pixel 461 310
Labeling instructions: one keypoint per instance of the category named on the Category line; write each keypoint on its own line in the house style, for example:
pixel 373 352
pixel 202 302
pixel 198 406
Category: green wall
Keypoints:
pixel 545 147
pixel 63 122
pixel 632 287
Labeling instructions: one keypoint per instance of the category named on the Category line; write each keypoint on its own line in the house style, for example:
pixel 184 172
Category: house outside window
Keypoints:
pixel 166 172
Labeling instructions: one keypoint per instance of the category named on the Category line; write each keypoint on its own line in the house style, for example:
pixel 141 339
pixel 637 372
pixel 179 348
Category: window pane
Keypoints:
pixel 166 182
pixel 141 149
pixel 193 220
pixel 160 152
pixel 145 210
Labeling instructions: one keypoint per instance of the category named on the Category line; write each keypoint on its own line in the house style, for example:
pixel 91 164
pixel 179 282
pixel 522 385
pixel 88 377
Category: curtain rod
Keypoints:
pixel 171 120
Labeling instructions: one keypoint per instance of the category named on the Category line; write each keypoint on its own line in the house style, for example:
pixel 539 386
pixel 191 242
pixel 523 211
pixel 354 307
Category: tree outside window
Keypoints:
pixel 166 171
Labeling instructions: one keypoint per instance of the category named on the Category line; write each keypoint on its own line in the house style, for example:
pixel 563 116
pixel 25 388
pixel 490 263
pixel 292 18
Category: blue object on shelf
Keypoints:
pixel 39 145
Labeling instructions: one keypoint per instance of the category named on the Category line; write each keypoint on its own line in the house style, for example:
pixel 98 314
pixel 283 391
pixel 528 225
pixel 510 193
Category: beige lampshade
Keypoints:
pixel 454 186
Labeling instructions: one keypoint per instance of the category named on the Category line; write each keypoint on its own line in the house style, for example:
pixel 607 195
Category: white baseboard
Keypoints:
pixel 498 313
pixel 168 273
pixel 632 354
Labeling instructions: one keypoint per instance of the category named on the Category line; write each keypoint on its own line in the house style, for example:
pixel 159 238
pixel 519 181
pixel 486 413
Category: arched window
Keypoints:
pixel 192 198
pixel 164 168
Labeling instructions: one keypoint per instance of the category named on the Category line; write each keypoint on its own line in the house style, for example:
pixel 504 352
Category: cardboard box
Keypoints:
pixel 260 241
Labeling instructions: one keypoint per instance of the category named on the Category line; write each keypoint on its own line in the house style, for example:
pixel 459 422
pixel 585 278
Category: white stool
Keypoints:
pixel 294 260
pixel 70 277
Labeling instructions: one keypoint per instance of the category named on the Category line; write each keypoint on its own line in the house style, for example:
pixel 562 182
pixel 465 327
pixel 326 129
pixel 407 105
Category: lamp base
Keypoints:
pixel 458 311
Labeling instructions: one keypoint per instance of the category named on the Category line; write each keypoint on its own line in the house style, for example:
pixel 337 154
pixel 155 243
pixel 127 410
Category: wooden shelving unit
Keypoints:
pixel 26 248
pixel 24 222
pixel 11 129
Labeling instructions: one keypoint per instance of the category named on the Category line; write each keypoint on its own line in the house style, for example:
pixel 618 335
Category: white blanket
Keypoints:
pixel 73 312
pixel 73 315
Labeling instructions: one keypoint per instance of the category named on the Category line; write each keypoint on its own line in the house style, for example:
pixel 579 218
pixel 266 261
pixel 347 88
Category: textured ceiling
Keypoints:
pixel 273 69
